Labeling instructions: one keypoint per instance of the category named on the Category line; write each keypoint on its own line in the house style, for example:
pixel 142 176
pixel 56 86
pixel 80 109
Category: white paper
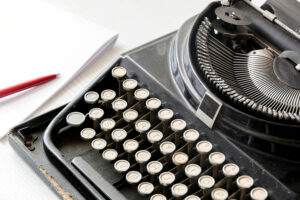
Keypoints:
pixel 38 39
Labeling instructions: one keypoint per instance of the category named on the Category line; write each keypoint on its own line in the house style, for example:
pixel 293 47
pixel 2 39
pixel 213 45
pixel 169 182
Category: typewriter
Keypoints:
pixel 211 111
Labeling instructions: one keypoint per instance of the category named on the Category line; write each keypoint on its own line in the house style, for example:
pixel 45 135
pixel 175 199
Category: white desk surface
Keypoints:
pixel 137 22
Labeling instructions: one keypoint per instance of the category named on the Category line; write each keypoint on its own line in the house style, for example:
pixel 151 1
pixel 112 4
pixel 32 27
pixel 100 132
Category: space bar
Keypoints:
pixel 96 179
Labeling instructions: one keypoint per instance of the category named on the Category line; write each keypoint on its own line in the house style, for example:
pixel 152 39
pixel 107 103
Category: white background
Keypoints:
pixel 137 22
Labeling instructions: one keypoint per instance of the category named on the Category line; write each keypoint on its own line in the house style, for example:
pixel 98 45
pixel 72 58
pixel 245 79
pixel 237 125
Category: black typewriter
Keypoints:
pixel 211 111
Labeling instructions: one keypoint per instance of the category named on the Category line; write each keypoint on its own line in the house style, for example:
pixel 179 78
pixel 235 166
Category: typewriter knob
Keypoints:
pixel 118 72
pixel 158 197
pixel 179 190
pixel 133 177
pixel 219 194
pixel 91 97
pixel 145 188
pixel 121 166
pixel 259 193
pixel 99 144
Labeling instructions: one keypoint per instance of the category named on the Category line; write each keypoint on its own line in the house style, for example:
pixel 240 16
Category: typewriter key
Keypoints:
pixel 154 168
pixel 108 95
pixel 154 136
pixel 122 166
pixel 179 190
pixel 75 119
pixel 167 148
pixel 145 188
pixel 141 95
pixel 158 197
pixel 133 177
pixel 107 125
pixel 259 193
pixel 165 115
pixel 190 136
pixel 109 154
pixel 180 159
pixel 230 170
pixel 129 85
pixel 192 171
pixel 118 135
pixel 219 194
pixel 142 126
pixel 192 197
pixel 91 97
pixel 177 125
pixel 142 157
pixel 166 178
pixel 119 73
pixel 99 144
pixel 130 115
pixel 216 159
pixel 203 147
pixel 130 146
pixel 244 182
pixel 87 133
pixel 153 104
pixel 119 105
pixel 206 182
pixel 96 114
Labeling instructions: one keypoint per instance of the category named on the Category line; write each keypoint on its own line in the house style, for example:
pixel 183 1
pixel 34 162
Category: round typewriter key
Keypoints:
pixel 154 167
pixel 216 159
pixel 190 136
pixel 177 125
pixel 75 119
pixel 119 105
pixel 192 197
pixel 118 135
pixel 179 190
pixel 87 133
pixel 91 97
pixel 141 126
pixel 130 146
pixel 99 144
pixel 154 136
pixel 244 182
pixel 109 154
pixel 133 177
pixel 219 194
pixel 145 188
pixel 203 147
pixel 165 115
pixel 107 124
pixel 230 170
pixel 153 104
pixel 180 158
pixel 166 178
pixel 118 72
pixel 130 84
pixel 142 157
pixel 259 193
pixel 122 166
pixel 192 170
pixel 206 182
pixel 167 147
pixel 130 115
pixel 108 95
pixel 141 94
pixel 158 197
pixel 96 113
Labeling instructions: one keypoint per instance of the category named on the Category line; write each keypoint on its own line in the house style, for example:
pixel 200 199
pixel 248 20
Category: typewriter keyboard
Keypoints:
pixel 161 155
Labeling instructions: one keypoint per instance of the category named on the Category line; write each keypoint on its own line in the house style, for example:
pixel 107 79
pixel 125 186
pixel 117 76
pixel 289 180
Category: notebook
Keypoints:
pixel 38 39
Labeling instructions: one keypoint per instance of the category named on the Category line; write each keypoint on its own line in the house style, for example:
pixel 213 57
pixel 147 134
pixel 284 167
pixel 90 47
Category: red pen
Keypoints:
pixel 28 84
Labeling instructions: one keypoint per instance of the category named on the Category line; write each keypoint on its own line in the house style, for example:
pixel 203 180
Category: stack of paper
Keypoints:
pixel 38 39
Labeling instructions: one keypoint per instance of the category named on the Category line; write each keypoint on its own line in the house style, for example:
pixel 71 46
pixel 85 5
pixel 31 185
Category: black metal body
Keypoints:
pixel 167 68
